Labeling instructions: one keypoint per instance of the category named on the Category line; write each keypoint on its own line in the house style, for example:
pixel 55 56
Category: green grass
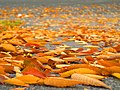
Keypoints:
pixel 9 23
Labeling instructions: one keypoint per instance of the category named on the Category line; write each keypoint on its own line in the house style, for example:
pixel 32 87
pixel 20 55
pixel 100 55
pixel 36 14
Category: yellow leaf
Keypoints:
pixel 116 75
pixel 79 70
pixel 61 65
pixel 30 79
pixel 15 81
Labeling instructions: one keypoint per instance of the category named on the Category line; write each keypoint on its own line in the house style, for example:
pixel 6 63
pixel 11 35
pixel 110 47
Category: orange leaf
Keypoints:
pixel 42 59
pixel 31 45
pixel 8 68
pixel 2 70
pixel 117 48
pixel 113 69
pixel 88 52
pixel 60 82
pixel 33 71
pixel 89 58
pixel 9 47
pixel 107 63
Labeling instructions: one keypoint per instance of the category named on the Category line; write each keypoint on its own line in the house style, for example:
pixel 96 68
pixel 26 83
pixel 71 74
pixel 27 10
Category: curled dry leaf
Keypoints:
pixel 60 82
pixel 88 80
pixel 15 81
pixel 79 70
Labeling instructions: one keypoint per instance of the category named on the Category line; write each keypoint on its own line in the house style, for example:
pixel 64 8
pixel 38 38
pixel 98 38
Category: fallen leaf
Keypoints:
pixel 116 75
pixel 30 79
pixel 79 70
pixel 60 82
pixel 9 47
pixel 95 76
pixel 2 70
pixel 33 71
pixel 15 81
pixel 89 81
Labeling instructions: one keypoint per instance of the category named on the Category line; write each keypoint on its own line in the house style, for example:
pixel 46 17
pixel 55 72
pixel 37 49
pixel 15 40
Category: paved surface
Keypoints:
pixel 113 82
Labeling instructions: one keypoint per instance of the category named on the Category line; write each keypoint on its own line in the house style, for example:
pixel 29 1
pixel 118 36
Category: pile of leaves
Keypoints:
pixel 25 58
pixel 24 54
